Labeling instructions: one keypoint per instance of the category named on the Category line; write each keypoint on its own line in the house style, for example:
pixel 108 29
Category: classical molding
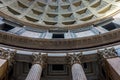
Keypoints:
pixel 61 44
pixel 8 55
pixel 39 58
pixel 74 58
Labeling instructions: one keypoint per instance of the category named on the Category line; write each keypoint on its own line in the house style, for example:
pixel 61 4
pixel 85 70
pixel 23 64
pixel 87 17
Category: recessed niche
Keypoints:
pixel 39 6
pixel 67 17
pixel 78 5
pixel 50 22
pixel 57 70
pixel 87 18
pixel 90 1
pixel 53 1
pixel 58 36
pixel 53 8
pixel 27 2
pixel 35 14
pixel 51 17
pixel 32 19
pixel 19 6
pixel 96 3
pixel 69 22
pixel 64 1
pixel 85 65
pixel 105 9
pixel 11 10
pixel 82 11
pixel 110 26
pixel 65 8
pixel 57 67
pixel 1 2
pixel 6 27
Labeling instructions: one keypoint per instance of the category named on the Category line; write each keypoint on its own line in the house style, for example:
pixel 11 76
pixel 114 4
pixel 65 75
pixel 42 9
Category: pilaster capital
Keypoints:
pixel 107 53
pixel 74 58
pixel 8 55
pixel 39 58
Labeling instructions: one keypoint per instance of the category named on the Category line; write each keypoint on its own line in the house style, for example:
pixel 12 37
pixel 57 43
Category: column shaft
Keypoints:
pixel 35 72
pixel 77 72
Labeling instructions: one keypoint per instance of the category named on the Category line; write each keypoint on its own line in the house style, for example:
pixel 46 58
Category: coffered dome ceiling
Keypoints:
pixel 57 13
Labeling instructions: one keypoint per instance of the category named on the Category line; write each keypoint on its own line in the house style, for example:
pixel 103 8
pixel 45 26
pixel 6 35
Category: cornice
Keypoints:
pixel 60 44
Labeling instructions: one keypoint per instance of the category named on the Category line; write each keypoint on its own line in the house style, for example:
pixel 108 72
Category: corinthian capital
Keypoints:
pixel 108 53
pixel 39 58
pixel 74 58
pixel 8 55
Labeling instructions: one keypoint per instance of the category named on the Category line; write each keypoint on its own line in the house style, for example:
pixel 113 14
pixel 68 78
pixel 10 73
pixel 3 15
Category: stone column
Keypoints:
pixel 36 69
pixel 35 72
pixel 77 70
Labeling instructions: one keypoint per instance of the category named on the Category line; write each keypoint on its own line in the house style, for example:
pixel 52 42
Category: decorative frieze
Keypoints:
pixel 62 44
